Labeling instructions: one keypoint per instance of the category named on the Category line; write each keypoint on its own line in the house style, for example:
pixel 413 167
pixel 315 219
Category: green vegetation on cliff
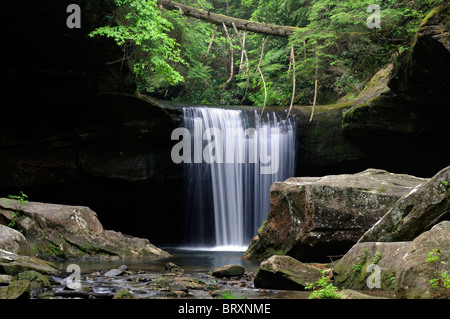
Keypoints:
pixel 338 45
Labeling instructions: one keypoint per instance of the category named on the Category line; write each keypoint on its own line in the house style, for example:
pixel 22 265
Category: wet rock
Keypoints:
pixel 172 267
pixel 114 273
pixel 37 280
pixel 162 282
pixel 124 294
pixel 229 271
pixel 123 268
pixel 62 231
pixel 284 272
pixel 5 280
pixel 177 286
pixel 12 264
pixel 19 289
pixel 314 217
pixel 13 241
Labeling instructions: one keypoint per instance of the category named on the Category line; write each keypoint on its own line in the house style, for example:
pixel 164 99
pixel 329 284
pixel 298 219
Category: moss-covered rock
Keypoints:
pixel 62 231
pixel 13 264
pixel 13 241
pixel 315 217
pixel 229 271
pixel 17 290
pixel 284 272
pixel 37 280
pixel 124 294
pixel 352 271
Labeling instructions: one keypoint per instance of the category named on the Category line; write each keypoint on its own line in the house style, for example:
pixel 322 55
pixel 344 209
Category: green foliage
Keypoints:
pixel 332 44
pixel 229 295
pixel 377 258
pixel 323 288
pixel 440 283
pixel 19 201
pixel 139 28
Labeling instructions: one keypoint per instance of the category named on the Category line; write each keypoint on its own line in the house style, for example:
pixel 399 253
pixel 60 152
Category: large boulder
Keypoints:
pixel 19 289
pixel 13 264
pixel 352 272
pixel 403 266
pixel 312 218
pixel 13 241
pixel 416 212
pixel 61 231
pixel 284 272
pixel 415 273
pixel 229 271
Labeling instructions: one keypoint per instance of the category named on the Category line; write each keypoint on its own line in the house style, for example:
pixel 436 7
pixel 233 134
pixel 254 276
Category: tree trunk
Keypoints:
pixel 219 19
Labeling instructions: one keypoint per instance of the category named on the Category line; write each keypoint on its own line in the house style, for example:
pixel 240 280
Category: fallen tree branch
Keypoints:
pixel 219 19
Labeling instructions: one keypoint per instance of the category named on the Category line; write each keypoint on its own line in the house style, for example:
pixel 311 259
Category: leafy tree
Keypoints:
pixel 138 26
pixel 183 58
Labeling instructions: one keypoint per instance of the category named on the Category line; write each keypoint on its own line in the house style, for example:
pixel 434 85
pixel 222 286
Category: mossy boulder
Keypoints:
pixel 312 218
pixel 13 241
pixel 63 231
pixel 352 271
pixel 403 267
pixel 17 290
pixel 229 271
pixel 414 275
pixel 38 281
pixel 13 264
pixel 284 272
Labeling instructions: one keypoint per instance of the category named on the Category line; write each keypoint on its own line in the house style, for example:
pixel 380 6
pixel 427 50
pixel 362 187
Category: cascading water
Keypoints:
pixel 235 157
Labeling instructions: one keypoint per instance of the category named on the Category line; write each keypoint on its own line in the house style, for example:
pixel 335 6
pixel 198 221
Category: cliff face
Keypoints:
pixel 73 130
pixel 407 123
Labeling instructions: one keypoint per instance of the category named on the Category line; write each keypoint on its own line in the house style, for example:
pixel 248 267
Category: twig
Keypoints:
pixel 232 56
pixel 315 88
pixel 292 59
pixel 204 59
pixel 262 76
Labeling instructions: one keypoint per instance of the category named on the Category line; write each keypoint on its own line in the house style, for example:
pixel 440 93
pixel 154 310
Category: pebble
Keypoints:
pixel 114 273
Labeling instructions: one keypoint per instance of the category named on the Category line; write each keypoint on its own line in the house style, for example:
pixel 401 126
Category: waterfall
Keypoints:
pixel 235 157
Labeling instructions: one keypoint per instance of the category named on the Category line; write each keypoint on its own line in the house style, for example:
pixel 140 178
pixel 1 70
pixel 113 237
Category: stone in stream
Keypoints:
pixel 19 289
pixel 114 273
pixel 284 272
pixel 229 271
pixel 172 267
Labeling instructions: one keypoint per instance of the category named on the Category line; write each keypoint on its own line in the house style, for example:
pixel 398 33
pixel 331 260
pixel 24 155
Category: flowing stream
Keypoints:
pixel 235 156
